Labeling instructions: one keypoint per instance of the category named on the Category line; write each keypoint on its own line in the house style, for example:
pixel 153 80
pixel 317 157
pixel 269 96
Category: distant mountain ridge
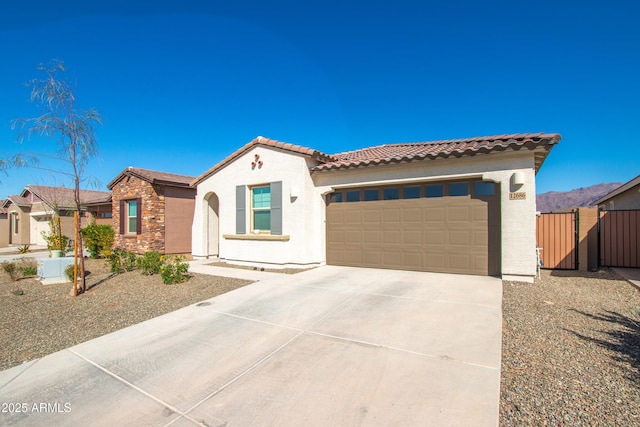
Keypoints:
pixel 578 198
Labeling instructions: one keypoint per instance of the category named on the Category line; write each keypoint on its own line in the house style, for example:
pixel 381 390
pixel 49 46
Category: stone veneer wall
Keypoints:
pixel 151 237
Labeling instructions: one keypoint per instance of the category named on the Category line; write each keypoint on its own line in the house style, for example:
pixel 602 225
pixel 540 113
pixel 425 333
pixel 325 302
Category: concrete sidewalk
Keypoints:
pixel 632 275
pixel 202 267
pixel 332 346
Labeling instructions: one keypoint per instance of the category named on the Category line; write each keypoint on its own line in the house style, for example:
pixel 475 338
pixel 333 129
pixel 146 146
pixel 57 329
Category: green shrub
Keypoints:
pixel 150 263
pixel 174 270
pixel 29 270
pixel 68 271
pixel 20 268
pixel 98 239
pixel 121 261
pixel 24 249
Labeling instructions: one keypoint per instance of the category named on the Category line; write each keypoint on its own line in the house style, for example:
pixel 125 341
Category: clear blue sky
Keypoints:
pixel 182 84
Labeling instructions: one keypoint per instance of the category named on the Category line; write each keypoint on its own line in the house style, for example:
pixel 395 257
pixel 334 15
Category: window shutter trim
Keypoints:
pixel 276 207
pixel 139 216
pixel 122 215
pixel 241 210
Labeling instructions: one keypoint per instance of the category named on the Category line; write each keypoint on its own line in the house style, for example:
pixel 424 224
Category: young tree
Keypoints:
pixel 61 118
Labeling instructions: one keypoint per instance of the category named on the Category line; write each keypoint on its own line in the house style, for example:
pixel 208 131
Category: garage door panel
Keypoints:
pixel 444 234
pixel 458 214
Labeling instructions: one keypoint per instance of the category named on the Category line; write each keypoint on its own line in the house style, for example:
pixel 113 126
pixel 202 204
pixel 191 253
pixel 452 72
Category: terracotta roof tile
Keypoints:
pixel 154 177
pixel 320 156
pixel 406 152
pixel 18 200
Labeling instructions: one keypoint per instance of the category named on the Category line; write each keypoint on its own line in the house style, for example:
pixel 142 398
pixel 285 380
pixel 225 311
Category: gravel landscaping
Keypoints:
pixel 571 351
pixel 45 318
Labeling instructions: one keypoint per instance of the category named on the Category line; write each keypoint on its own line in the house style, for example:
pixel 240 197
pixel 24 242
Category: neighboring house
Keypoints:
pixel 29 213
pixel 625 197
pixel 460 206
pixel 152 211
pixel 4 226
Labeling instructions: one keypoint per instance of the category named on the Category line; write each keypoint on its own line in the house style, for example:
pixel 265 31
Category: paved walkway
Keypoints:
pixel 332 346
pixel 202 267
pixel 631 274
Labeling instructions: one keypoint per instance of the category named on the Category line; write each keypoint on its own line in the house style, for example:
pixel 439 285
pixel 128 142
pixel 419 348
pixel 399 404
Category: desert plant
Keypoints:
pixel 150 263
pixel 68 272
pixel 24 249
pixel 11 269
pixel 98 240
pixel 121 261
pixel 56 241
pixel 29 270
pixel 174 270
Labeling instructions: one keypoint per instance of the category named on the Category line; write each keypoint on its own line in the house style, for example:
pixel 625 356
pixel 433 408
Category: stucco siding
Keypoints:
pixel 630 199
pixel 297 212
pixel 179 209
pixel 4 230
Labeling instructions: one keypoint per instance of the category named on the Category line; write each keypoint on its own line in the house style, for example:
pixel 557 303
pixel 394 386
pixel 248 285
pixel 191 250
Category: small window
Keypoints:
pixel 370 195
pixel 16 223
pixel 105 215
pixel 261 208
pixel 335 198
pixel 411 192
pixel 132 216
pixel 434 191
pixel 483 189
pixel 353 196
pixel 459 189
pixel 390 194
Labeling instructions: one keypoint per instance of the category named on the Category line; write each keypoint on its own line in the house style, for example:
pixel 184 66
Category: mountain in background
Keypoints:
pixel 578 198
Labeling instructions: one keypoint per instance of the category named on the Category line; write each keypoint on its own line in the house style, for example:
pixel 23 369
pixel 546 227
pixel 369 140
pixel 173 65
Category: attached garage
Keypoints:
pixel 449 227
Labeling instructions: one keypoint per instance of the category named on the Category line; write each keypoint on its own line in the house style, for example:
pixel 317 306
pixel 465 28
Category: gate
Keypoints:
pixel 556 235
pixel 619 238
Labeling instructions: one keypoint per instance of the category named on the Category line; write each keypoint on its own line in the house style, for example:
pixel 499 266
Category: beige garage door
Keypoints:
pixel 441 227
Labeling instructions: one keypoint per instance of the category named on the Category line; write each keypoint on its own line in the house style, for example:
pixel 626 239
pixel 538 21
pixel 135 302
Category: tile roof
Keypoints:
pixel 298 149
pixel 624 187
pixel 154 177
pixel 406 152
pixel 63 197
pixel 17 200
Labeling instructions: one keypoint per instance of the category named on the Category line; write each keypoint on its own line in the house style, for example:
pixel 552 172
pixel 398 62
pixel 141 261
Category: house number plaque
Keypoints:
pixel 522 195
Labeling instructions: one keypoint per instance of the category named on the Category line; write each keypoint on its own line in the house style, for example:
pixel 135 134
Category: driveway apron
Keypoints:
pixel 332 346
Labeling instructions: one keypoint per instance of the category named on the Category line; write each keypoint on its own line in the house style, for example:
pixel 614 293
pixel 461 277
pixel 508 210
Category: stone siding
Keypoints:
pixel 152 234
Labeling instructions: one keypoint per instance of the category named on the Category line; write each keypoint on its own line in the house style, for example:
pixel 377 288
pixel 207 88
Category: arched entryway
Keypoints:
pixel 212 224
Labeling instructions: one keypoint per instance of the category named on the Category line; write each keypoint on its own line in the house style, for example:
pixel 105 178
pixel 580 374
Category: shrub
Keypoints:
pixel 174 270
pixel 27 266
pixel 68 271
pixel 98 239
pixel 121 261
pixel 11 269
pixel 56 241
pixel 150 263
pixel 24 249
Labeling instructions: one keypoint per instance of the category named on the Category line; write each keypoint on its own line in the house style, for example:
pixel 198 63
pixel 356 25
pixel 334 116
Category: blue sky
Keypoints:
pixel 181 85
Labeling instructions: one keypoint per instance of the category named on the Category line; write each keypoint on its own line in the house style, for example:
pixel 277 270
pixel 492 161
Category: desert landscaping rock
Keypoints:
pixel 571 351
pixel 46 318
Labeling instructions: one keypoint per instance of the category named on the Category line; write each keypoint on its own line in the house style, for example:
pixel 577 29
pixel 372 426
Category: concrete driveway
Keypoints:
pixel 333 346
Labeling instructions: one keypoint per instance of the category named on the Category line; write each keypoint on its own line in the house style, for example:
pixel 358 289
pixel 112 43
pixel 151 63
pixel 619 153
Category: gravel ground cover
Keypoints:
pixel 571 351
pixel 45 318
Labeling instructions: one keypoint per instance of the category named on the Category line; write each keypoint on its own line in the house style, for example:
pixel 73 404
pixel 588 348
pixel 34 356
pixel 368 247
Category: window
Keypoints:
pixel 131 217
pixel 335 198
pixel 434 191
pixel 370 195
pixel 261 208
pixel 16 222
pixel 353 196
pixel 459 189
pixel 390 194
pixel 412 192
pixel 483 188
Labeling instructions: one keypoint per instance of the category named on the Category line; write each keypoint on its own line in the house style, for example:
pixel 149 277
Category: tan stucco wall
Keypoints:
pixel 630 199
pixel 179 208
pixel 22 237
pixel 4 230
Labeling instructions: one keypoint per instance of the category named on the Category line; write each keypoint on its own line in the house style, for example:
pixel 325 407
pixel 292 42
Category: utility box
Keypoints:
pixel 51 270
